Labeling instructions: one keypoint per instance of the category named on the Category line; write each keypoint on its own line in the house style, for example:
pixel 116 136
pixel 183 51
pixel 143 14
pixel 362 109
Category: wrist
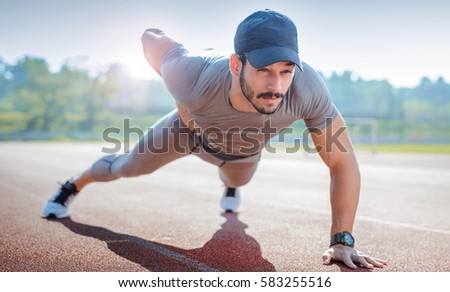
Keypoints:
pixel 344 238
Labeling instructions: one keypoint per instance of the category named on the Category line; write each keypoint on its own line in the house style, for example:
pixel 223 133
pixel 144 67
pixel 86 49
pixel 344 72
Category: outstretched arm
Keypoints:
pixel 155 43
pixel 335 149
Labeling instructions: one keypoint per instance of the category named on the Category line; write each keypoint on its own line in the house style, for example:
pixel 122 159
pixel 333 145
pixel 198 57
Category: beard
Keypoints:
pixel 250 96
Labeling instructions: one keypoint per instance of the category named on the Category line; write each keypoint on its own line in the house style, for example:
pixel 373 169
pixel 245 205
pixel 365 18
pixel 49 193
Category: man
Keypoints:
pixel 227 109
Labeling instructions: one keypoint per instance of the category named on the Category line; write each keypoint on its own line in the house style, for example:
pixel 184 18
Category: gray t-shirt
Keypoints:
pixel 202 85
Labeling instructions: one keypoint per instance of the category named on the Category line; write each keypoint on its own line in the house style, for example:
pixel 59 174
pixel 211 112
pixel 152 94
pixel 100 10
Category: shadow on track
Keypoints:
pixel 229 249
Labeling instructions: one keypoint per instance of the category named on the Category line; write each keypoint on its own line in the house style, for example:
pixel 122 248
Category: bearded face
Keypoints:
pixel 270 85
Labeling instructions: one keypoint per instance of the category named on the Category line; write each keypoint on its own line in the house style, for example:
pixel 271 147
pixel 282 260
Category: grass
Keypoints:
pixel 407 148
pixel 398 148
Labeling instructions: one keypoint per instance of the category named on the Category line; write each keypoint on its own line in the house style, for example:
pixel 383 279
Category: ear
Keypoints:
pixel 235 65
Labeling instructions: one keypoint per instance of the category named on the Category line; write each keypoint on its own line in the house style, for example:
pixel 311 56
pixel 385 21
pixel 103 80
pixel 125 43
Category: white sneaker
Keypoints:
pixel 231 199
pixel 57 205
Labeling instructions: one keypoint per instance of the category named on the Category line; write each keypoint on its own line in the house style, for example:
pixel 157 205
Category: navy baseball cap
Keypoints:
pixel 267 37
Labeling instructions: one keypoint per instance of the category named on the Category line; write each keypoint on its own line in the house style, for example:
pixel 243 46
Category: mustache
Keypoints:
pixel 270 94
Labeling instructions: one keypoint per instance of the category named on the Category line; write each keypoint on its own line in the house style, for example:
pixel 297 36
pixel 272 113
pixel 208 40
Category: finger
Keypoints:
pixel 374 262
pixel 326 257
pixel 348 262
pixel 381 261
pixel 378 261
pixel 363 262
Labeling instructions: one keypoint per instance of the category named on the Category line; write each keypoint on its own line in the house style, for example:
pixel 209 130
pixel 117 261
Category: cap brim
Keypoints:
pixel 267 56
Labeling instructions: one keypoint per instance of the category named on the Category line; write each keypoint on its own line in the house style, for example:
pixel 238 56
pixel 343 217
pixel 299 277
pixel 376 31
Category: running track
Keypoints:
pixel 171 221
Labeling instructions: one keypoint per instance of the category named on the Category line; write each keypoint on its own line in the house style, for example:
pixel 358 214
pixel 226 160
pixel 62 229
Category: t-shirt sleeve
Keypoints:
pixel 316 107
pixel 180 73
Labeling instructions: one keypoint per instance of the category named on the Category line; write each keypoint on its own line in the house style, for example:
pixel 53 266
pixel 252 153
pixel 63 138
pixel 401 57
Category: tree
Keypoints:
pixel 34 93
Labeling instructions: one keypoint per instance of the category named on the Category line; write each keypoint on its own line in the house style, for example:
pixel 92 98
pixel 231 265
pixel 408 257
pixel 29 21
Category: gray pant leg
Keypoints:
pixel 164 142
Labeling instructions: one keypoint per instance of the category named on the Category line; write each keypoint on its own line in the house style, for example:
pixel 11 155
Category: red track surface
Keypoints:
pixel 171 221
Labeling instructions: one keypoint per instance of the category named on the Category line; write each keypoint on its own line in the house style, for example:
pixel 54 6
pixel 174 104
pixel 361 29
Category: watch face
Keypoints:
pixel 348 239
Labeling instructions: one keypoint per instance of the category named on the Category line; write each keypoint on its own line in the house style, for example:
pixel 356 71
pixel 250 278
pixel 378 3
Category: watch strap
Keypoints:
pixel 340 238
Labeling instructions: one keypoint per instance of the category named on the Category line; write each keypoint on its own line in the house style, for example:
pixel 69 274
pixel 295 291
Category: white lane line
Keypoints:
pixel 403 225
pixel 287 205
pixel 171 254
pixel 362 218
pixel 164 251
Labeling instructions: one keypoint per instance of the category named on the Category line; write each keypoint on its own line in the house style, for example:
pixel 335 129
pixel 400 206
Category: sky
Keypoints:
pixel 401 41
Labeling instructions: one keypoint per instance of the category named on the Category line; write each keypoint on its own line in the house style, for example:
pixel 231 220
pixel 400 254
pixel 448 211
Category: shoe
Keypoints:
pixel 57 205
pixel 231 199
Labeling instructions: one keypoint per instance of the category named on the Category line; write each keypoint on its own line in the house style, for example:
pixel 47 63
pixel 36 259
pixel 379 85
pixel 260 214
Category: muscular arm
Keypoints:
pixel 155 43
pixel 335 149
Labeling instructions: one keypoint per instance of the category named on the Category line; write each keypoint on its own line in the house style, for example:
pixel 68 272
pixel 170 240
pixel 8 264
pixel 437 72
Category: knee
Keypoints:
pixel 237 175
pixel 111 167
pixel 101 169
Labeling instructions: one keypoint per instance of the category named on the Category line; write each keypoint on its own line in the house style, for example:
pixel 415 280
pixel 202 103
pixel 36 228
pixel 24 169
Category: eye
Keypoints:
pixel 263 70
pixel 286 72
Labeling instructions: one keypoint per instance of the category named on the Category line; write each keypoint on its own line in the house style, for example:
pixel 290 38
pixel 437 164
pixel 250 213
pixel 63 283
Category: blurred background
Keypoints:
pixel 70 69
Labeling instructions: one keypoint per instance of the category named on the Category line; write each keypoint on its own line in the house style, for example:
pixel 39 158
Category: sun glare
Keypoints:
pixel 139 68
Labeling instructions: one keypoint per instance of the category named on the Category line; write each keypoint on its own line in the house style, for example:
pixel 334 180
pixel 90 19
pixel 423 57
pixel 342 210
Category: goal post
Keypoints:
pixel 363 131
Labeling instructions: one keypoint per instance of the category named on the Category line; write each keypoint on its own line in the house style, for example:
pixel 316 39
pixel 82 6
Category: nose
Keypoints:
pixel 274 84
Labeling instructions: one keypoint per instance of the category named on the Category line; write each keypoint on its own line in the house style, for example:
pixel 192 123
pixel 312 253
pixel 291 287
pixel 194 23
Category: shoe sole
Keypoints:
pixel 55 210
pixel 53 216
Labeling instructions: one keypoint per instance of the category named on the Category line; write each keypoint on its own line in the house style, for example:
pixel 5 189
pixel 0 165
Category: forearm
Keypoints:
pixel 344 195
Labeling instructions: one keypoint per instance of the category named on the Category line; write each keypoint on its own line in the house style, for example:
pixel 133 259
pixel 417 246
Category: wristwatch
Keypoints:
pixel 344 238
